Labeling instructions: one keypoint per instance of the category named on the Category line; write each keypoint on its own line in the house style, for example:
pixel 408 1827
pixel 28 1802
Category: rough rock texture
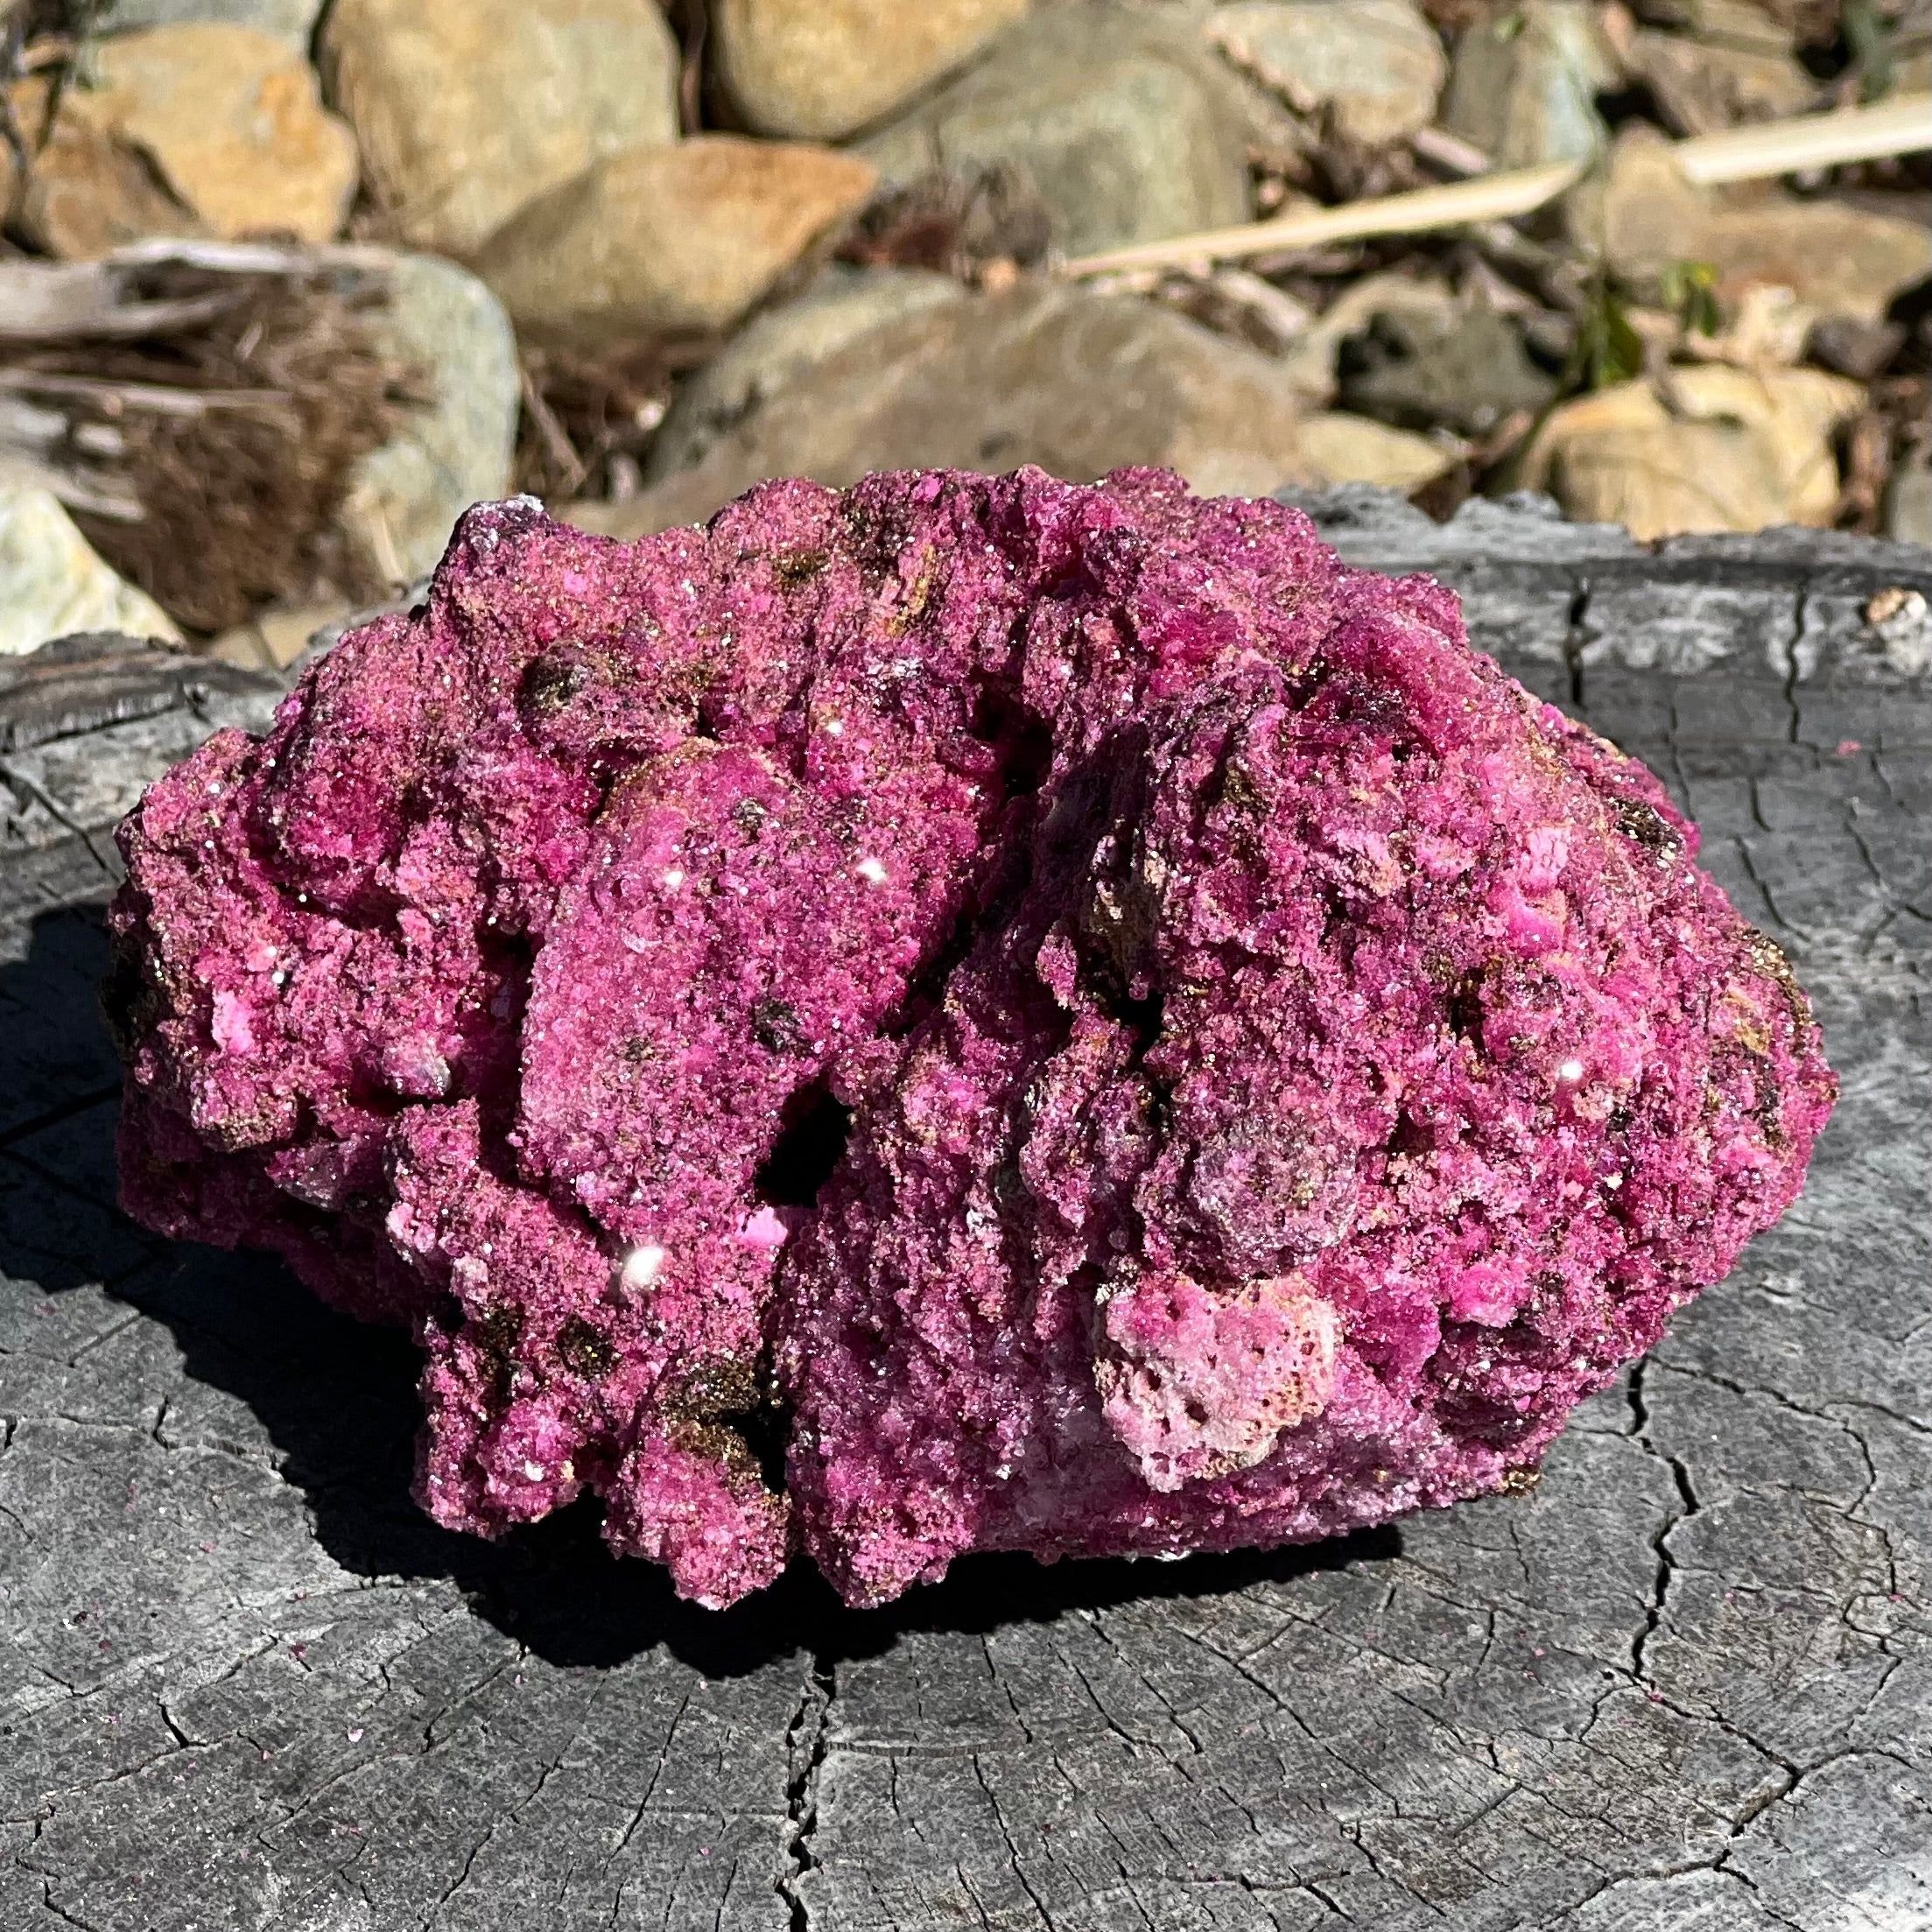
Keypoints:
pixel 199 128
pixel 1285 1066
pixel 231 121
pixel 1682 1682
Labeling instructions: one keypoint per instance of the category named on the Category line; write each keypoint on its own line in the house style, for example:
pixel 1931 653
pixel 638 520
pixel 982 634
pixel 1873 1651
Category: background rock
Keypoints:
pixel 818 69
pixel 225 120
pixel 1838 258
pixel 1704 89
pixel 453 450
pixel 466 109
pixel 1638 210
pixel 1127 125
pixel 87 192
pixel 1524 83
pixel 1422 300
pixel 1378 64
pixel 775 347
pixel 291 21
pixel 1908 501
pixel 1721 449
pixel 1045 373
pixel 1735 63
pixel 273 640
pixel 1354 449
pixel 52 583
pixel 1467 371
pixel 665 240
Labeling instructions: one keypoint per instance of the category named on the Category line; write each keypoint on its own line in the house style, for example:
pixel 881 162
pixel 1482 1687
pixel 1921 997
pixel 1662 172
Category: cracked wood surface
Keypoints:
pixel 1686 1682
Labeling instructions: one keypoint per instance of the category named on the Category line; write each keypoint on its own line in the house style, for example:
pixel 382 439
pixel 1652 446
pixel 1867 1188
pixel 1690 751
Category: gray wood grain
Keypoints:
pixel 1686 1682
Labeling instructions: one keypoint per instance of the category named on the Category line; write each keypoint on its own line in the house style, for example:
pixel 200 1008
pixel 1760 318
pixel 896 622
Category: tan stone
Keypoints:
pixel 1377 64
pixel 230 122
pixel 1838 259
pixel 821 69
pixel 88 193
pixel 1356 449
pixel 466 109
pixel 1638 210
pixel 273 640
pixel 668 240
pixel 1712 449
pixel 1076 383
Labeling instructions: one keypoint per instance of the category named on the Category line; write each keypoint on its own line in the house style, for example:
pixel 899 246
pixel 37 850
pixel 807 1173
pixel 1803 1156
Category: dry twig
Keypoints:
pixel 1902 126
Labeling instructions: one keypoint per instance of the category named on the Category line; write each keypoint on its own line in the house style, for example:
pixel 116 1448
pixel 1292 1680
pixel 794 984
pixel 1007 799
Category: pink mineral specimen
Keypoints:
pixel 958 1015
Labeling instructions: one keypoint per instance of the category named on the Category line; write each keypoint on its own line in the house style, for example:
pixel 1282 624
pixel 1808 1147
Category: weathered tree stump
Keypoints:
pixel 1685 1682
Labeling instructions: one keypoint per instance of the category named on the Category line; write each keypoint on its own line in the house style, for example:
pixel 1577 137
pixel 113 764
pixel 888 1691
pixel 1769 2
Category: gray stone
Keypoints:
pixel 1735 63
pixel 1127 124
pixel 1908 501
pixel 1046 373
pixel 1378 65
pixel 1524 83
pixel 775 347
pixel 51 580
pixel 290 20
pixel 1468 372
pixel 453 450
pixel 1683 1682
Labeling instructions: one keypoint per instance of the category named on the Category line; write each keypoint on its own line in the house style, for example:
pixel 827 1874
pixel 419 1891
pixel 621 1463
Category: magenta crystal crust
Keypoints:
pixel 958 1015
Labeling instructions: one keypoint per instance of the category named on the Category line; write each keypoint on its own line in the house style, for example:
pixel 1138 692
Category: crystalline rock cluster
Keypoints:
pixel 958 1015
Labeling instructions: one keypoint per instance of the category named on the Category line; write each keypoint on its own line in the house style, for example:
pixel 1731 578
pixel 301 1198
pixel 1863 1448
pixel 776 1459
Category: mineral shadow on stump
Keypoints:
pixel 1088 1025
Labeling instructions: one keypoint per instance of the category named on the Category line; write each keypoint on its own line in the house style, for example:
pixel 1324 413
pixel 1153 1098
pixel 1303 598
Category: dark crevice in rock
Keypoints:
pixel 1022 741
pixel 813 1127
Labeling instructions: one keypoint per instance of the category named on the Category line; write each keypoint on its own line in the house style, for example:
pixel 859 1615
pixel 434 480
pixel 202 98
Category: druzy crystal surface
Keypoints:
pixel 958 1015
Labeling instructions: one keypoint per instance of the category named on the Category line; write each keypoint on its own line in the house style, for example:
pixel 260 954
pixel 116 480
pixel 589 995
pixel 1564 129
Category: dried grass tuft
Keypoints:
pixel 588 422
pixel 233 436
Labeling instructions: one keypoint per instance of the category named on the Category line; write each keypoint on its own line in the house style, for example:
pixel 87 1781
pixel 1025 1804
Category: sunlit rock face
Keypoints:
pixel 960 1014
